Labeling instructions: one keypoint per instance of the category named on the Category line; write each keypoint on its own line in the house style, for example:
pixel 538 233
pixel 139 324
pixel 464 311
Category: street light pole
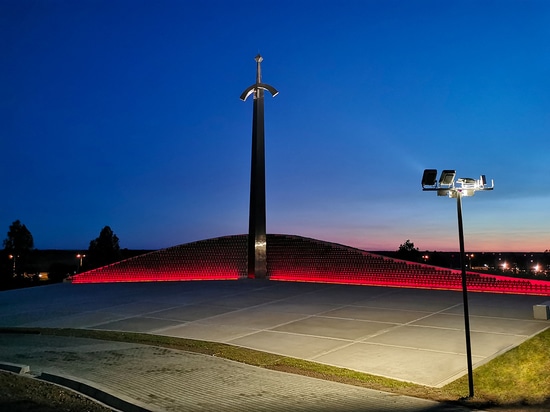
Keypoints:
pixel 465 296
pixel 446 186
pixel 14 258
pixel 80 256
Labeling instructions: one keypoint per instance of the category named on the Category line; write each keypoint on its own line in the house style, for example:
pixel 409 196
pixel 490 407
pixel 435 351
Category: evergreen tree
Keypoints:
pixel 104 249
pixel 18 245
pixel 407 251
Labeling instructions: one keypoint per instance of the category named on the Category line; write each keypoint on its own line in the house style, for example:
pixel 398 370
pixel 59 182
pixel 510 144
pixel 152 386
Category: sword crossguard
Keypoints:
pixel 255 88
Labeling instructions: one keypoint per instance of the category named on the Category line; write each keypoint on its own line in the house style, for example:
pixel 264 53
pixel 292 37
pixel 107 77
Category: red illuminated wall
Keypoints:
pixel 213 259
pixel 294 258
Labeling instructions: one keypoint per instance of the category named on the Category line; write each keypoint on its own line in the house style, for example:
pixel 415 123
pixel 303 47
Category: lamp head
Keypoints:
pixel 429 177
pixel 447 177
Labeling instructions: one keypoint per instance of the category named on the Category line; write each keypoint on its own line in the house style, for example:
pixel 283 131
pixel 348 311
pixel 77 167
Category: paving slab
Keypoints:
pixel 289 344
pixel 78 320
pixel 414 299
pixel 141 324
pixel 391 361
pixel 199 331
pixel 253 317
pixel 298 307
pixel 349 329
pixel 522 327
pixel 376 314
pixel 191 312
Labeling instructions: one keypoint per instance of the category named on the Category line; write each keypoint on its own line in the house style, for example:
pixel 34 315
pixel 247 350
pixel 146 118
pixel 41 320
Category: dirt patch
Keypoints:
pixel 24 394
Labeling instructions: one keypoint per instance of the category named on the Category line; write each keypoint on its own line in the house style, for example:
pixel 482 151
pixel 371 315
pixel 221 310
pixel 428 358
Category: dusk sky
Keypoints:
pixel 126 113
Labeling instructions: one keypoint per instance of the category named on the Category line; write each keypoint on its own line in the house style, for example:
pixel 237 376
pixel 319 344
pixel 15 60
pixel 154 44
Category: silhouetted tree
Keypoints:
pixel 18 245
pixel 407 251
pixel 104 249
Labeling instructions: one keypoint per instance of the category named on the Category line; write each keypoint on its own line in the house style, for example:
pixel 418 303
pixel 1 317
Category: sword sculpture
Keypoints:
pixel 257 262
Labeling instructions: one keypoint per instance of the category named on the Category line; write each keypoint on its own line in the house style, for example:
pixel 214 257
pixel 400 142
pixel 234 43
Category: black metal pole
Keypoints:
pixel 257 255
pixel 465 295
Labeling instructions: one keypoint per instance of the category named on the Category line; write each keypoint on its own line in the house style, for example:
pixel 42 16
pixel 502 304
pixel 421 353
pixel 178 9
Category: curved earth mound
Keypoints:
pixel 295 258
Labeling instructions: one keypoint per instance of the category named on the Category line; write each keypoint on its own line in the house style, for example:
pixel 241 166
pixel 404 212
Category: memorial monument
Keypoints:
pixel 257 245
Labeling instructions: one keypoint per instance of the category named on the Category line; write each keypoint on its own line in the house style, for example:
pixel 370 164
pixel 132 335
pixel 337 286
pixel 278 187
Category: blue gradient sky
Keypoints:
pixel 126 113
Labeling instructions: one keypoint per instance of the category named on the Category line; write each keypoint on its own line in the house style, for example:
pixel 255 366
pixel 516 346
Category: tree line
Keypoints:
pixel 19 248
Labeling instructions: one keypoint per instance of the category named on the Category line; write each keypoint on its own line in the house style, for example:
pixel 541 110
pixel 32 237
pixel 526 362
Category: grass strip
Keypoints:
pixel 518 377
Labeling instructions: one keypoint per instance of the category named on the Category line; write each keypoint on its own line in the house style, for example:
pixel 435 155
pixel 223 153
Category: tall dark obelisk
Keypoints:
pixel 257 263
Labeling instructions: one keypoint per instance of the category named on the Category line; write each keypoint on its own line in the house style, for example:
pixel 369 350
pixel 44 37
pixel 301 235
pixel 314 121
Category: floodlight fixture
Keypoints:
pixel 429 177
pixel 447 185
pixel 447 177
pixel 463 187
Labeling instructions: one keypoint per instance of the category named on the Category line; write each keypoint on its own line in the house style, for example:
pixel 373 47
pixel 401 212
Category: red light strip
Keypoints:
pixel 293 258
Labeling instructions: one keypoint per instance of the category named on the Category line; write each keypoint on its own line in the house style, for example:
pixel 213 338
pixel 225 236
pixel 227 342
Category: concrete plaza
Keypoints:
pixel 407 334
